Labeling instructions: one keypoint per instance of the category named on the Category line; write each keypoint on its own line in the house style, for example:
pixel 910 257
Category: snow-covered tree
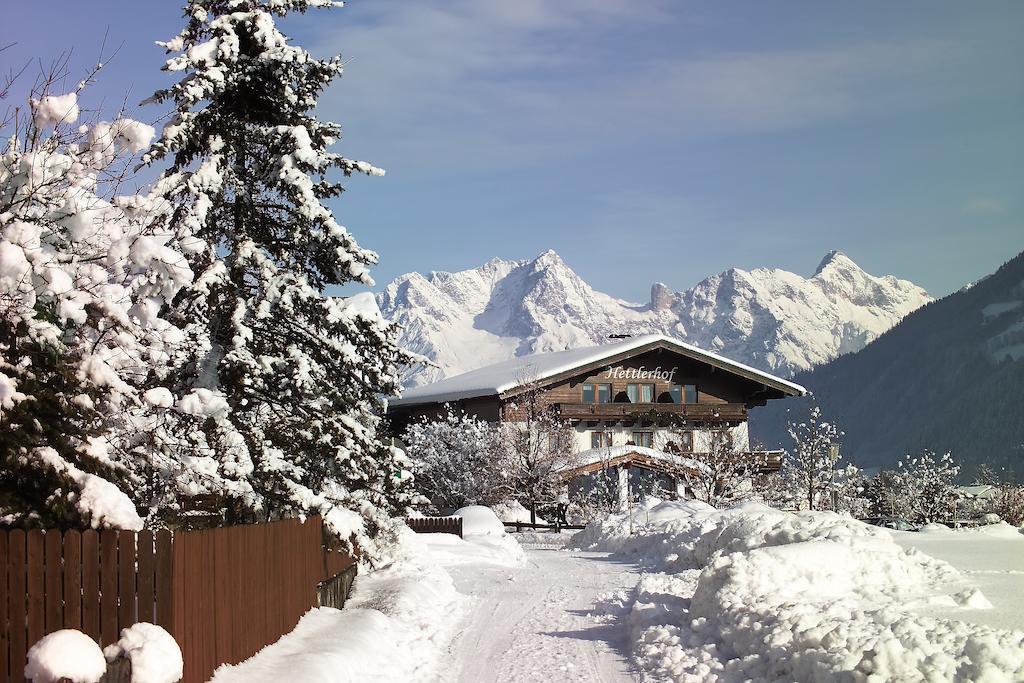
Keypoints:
pixel 723 475
pixel 928 483
pixel 283 385
pixel 84 274
pixel 809 467
pixel 458 460
pixel 541 445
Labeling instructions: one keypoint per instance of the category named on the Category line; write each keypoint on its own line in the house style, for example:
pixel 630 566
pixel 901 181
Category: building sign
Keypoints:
pixel 619 372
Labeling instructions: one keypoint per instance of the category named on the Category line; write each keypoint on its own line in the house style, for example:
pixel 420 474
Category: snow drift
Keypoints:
pixel 751 593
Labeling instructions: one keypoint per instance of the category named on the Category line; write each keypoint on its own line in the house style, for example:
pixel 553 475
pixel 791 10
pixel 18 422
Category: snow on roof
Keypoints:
pixel 608 453
pixel 501 377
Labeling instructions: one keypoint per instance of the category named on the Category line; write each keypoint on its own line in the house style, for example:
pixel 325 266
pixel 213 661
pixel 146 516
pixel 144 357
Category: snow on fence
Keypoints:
pixel 435 525
pixel 222 593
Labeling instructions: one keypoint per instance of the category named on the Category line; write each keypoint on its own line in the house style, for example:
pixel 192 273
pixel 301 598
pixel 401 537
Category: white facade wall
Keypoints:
pixel 622 435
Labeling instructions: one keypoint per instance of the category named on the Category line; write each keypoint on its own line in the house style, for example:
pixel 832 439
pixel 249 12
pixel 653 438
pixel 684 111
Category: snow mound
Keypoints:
pixel 752 593
pixel 153 652
pixel 478 520
pixel 513 511
pixel 66 654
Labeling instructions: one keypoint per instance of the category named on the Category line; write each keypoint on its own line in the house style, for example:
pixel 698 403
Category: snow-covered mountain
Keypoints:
pixel 769 318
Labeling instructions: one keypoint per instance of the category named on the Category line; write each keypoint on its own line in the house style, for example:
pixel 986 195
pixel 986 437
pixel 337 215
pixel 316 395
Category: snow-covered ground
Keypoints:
pixel 678 591
pixel 751 593
pixel 990 558
pixel 537 622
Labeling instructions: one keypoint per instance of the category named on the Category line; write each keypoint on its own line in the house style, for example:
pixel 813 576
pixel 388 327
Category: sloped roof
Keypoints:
pixel 613 454
pixel 506 376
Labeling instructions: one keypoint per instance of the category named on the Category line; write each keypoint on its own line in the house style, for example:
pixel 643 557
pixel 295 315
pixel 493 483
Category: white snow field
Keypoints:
pixel 992 560
pixel 751 593
pixel 675 591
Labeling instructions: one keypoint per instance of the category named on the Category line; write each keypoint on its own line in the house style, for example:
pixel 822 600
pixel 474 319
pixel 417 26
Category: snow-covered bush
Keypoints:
pixel 811 464
pixel 282 385
pixel 84 276
pixel 928 483
pixel 65 655
pixel 154 654
pixel 458 460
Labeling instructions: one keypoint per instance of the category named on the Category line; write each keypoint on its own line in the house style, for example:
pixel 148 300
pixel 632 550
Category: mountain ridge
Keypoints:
pixel 768 318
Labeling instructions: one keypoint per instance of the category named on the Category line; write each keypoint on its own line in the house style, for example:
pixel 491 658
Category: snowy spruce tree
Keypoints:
pixel 281 384
pixel 83 276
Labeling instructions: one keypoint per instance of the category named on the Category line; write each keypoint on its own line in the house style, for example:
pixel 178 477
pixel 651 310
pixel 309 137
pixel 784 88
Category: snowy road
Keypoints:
pixel 537 622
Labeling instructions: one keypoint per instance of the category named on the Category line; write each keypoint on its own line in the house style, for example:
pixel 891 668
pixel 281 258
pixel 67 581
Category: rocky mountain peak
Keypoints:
pixel 769 318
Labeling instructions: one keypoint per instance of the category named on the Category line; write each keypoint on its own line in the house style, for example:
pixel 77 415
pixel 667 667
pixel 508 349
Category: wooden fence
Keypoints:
pixel 435 525
pixel 556 527
pixel 222 593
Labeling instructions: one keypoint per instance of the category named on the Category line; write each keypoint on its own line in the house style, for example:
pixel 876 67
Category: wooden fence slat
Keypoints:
pixel 16 600
pixel 108 587
pixel 126 588
pixel 73 579
pixel 36 586
pixel 164 582
pixel 5 633
pixel 146 577
pixel 91 584
pixel 53 557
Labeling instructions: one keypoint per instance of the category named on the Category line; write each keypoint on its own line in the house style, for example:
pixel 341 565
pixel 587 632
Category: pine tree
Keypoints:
pixel 282 384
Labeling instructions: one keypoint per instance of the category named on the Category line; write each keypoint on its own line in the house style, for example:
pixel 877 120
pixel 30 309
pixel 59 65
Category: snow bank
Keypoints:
pixel 394 628
pixel 152 651
pixel 478 520
pixel 751 593
pixel 483 540
pixel 66 654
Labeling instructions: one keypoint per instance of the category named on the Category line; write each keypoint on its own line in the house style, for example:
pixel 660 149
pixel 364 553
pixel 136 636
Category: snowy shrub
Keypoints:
pixel 809 469
pixel 154 654
pixel 928 483
pixel 65 655
pixel 84 276
pixel 458 460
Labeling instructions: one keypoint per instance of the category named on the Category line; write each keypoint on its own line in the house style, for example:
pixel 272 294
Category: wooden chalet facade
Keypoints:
pixel 658 394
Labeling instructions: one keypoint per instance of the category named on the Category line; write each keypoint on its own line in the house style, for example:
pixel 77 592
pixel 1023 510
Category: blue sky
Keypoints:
pixel 645 139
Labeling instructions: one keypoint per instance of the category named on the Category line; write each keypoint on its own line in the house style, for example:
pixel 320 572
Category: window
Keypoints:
pixel 640 393
pixel 686 442
pixel 645 439
pixel 597 393
pixel 690 393
pixel 600 439
pixel 676 392
pixel 559 442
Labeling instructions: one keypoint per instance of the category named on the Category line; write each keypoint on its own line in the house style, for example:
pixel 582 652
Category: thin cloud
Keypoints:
pixel 537 80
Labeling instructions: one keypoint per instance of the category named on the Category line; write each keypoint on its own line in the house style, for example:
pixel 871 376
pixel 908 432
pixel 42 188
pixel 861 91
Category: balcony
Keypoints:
pixel 696 412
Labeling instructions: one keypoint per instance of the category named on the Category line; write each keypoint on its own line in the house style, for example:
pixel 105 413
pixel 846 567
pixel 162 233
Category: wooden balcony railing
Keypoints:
pixel 711 412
